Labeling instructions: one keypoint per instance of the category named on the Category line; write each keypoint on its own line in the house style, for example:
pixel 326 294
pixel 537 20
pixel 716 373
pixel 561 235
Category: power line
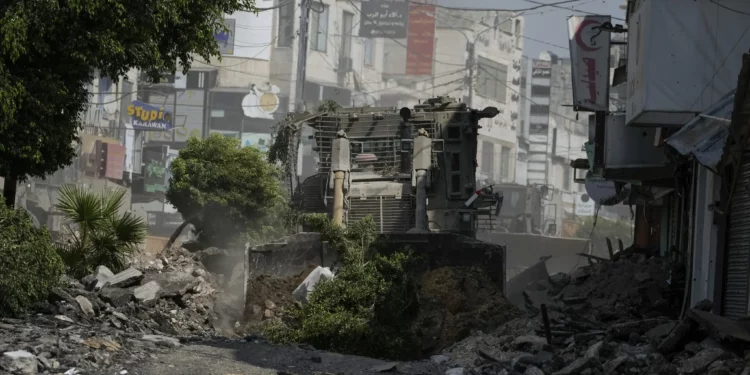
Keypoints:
pixel 557 5
pixel 539 6
pixel 718 69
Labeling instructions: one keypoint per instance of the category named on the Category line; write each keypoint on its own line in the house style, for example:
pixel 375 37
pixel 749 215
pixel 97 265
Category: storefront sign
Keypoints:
pixel 115 161
pixel 148 117
pixel 261 102
pixel 420 43
pixel 384 19
pixel 154 168
pixel 589 57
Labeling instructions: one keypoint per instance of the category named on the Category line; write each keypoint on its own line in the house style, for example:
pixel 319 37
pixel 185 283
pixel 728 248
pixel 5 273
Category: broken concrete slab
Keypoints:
pixel 160 340
pixel 677 337
pixel 624 330
pixel 719 327
pixel 661 331
pixel 593 350
pixel 529 343
pixel 18 362
pixel 124 279
pixel 117 297
pixel 578 366
pixel 610 366
pixel 173 284
pixel 533 370
pixel 700 362
pixel 101 276
pixel 147 292
pixel 85 305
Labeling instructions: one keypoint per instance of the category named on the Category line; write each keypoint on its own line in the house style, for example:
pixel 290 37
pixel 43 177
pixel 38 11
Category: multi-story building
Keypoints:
pixel 492 43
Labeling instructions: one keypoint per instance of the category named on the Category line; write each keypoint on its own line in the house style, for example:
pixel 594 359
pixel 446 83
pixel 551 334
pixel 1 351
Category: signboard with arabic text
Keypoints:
pixel 589 61
pixel 420 43
pixel 384 19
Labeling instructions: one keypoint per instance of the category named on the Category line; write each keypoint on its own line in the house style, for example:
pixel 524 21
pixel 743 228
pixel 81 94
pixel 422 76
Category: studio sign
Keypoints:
pixel 148 117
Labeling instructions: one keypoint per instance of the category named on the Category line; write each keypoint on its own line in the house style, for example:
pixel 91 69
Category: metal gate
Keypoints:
pixel 737 275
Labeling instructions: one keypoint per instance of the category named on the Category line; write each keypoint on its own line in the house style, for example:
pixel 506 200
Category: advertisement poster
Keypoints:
pixel 420 42
pixel 154 169
pixel 115 161
pixel 147 117
pixel 384 19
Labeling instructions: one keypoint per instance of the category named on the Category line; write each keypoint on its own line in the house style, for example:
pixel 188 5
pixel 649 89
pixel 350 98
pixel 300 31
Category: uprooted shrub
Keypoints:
pixel 366 308
pixel 28 260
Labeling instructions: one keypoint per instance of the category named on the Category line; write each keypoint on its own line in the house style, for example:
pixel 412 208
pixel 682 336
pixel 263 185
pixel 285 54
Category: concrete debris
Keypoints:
pixel 147 292
pixel 109 322
pixel 124 279
pixel 86 306
pixel 19 362
pixel 611 317
pixel 308 285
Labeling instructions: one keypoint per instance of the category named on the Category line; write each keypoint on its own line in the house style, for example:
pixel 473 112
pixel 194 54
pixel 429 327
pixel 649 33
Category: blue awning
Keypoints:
pixel 704 137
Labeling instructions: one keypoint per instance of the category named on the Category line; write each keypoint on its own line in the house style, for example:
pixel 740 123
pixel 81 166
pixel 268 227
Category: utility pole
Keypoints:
pixel 304 19
pixel 470 62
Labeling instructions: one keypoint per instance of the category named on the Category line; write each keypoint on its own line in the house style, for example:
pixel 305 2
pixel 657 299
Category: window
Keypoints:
pixel 537 90
pixel 488 155
pixel 286 24
pixel 505 162
pixel 369 52
pixel 539 110
pixel 319 31
pixel 567 178
pixel 346 34
pixel 493 80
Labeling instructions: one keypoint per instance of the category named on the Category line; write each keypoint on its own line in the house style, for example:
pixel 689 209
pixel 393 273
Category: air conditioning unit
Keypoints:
pixel 345 64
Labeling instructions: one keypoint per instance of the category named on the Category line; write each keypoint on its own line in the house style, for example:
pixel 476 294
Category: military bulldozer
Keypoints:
pixel 412 169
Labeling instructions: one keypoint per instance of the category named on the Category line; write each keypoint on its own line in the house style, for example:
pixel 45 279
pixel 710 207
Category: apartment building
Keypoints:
pixel 492 40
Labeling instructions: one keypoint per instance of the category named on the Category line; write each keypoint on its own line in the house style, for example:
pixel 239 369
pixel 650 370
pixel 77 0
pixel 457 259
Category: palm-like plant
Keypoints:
pixel 103 236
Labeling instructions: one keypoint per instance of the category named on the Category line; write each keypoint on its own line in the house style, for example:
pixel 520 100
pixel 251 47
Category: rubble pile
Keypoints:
pixel 598 321
pixel 107 321
pixel 454 301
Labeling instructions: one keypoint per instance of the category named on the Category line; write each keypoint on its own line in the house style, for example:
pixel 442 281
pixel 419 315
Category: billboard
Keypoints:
pixel 420 41
pixel 589 61
pixel 384 19
pixel 154 168
pixel 541 69
pixel 148 117
pixel 115 164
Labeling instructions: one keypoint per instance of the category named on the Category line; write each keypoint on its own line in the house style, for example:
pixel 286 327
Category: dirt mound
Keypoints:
pixel 267 297
pixel 453 302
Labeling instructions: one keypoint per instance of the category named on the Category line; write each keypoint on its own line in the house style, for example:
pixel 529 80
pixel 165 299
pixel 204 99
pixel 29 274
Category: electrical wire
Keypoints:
pixel 729 9
pixel 572 9
pixel 281 4
pixel 466 9
pixel 716 72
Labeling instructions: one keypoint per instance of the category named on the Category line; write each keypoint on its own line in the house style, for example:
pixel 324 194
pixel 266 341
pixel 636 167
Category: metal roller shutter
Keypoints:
pixel 737 275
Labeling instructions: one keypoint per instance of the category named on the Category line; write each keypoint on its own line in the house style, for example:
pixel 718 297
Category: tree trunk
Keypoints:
pixel 9 191
pixel 177 232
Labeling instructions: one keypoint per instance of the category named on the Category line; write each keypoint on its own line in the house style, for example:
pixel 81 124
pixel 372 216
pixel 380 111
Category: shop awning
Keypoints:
pixel 704 137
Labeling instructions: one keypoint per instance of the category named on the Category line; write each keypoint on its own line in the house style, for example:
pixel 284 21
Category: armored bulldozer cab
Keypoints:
pixel 412 169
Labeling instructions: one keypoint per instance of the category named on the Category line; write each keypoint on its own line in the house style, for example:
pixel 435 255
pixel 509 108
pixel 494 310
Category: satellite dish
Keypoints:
pixel 600 190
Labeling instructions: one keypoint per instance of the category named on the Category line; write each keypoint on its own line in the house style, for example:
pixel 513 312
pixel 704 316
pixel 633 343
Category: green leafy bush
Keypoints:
pixel 366 308
pixel 29 264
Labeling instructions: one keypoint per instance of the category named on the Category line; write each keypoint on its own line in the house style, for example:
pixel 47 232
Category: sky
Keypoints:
pixel 546 24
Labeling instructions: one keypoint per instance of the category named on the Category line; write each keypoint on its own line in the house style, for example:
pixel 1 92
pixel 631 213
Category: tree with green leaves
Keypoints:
pixel 98 233
pixel 225 190
pixel 51 50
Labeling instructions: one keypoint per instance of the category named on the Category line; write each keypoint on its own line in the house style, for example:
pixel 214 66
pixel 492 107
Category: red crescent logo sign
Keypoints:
pixel 579 35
